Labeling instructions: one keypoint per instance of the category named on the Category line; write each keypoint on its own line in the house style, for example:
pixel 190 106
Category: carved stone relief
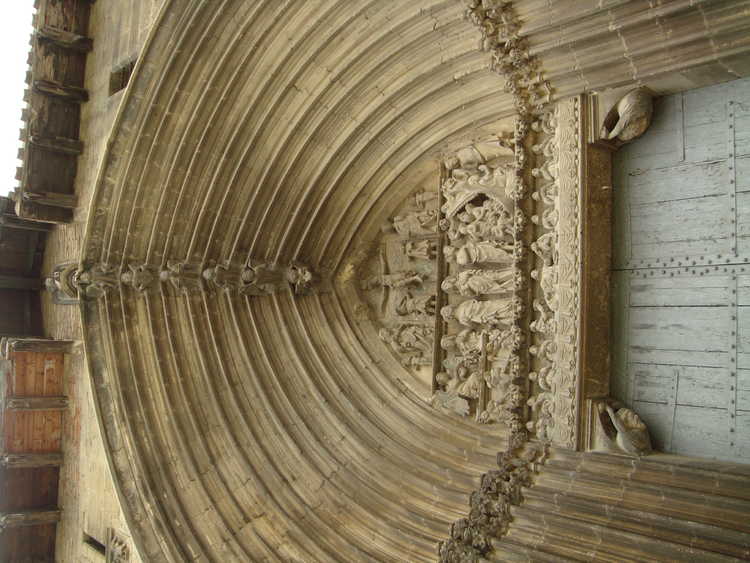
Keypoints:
pixel 61 284
pixel 255 278
pixel 117 549
pixel 490 506
pixel 629 118
pixel 556 265
pixel 617 429
pixel 445 284
pixel 396 281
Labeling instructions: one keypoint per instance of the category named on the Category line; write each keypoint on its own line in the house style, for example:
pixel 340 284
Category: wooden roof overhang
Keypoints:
pixel 54 94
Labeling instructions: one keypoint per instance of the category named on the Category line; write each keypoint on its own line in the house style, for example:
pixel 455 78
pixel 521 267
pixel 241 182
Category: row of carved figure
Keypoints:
pixel 256 278
pixel 485 248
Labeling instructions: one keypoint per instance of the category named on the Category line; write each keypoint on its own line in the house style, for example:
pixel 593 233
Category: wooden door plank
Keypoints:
pixel 700 431
pixel 686 181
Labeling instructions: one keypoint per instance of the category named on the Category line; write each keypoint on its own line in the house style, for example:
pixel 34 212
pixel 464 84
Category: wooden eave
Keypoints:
pixel 54 93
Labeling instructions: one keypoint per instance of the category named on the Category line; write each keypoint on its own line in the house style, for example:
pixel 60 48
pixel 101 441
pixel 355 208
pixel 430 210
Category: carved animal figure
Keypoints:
pixel 620 430
pixel 630 118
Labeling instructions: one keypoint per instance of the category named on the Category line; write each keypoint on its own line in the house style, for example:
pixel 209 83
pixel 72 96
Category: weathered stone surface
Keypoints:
pixel 247 415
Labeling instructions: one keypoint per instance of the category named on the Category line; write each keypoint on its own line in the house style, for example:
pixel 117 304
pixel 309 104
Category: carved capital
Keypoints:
pixel 490 505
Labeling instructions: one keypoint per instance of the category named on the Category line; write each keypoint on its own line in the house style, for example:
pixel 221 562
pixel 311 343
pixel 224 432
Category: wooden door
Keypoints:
pixel 681 273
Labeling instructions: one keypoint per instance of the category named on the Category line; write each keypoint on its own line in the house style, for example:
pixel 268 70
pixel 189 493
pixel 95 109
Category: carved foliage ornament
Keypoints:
pixel 500 29
pixel 489 513
pixel 556 162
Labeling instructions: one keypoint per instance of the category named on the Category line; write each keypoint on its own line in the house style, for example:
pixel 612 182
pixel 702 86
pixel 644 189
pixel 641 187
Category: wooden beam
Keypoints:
pixel 31 460
pixel 62 91
pixel 32 210
pixel 64 39
pixel 41 345
pixel 57 144
pixel 36 403
pixel 8 221
pixel 29 518
pixel 53 199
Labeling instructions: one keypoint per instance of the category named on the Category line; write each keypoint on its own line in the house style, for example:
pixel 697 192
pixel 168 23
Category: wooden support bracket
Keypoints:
pixel 64 39
pixel 55 89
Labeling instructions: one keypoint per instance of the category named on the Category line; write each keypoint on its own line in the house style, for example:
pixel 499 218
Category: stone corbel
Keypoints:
pixel 615 429
pixel 619 116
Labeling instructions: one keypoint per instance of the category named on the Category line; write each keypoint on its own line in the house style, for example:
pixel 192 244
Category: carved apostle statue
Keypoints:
pixel 480 253
pixel 472 312
pixel 479 282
